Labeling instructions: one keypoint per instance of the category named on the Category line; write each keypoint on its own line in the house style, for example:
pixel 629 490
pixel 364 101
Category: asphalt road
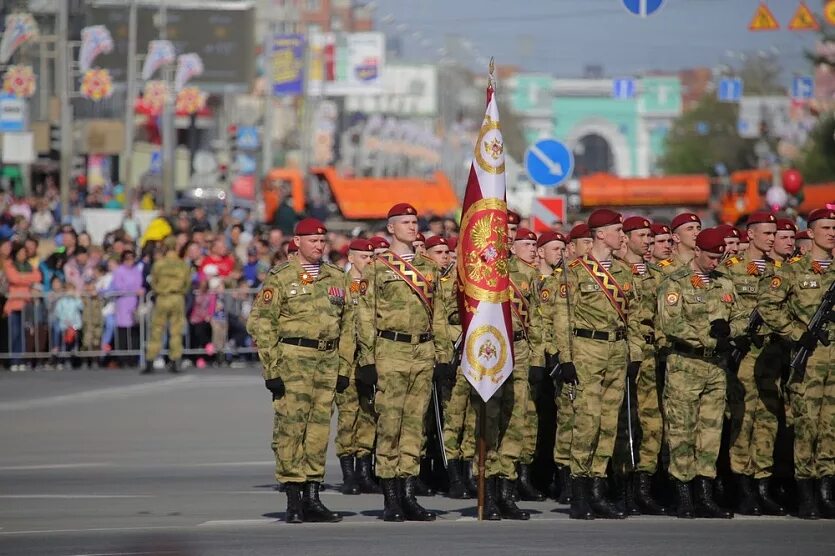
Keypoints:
pixel 108 462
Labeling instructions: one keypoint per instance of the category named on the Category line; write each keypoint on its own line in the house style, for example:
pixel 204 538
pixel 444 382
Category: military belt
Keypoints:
pixel 321 345
pixel 701 352
pixel 405 338
pixel 613 336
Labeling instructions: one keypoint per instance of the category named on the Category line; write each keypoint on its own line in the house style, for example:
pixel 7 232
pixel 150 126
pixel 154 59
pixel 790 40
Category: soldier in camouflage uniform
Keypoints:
pixel 397 356
pixel 753 394
pixel 355 424
pixel 170 280
pixel 603 344
pixel 685 227
pixel 787 305
pixel 299 319
pixel 93 315
pixel 662 243
pixel 698 316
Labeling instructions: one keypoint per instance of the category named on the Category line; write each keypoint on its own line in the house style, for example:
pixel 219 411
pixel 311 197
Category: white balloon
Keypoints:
pixel 776 197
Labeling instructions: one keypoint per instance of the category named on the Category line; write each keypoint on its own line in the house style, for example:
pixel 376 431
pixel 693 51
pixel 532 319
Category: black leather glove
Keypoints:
pixel 367 374
pixel 276 386
pixel 632 370
pixel 442 372
pixel 536 374
pixel 742 343
pixel 551 360
pixel 342 383
pixel 720 328
pixel 365 391
pixel 723 345
pixel 568 372
pixel 808 340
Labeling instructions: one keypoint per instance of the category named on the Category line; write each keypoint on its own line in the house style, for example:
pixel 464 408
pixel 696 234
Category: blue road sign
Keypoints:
pixel 643 8
pixel 803 87
pixel 246 164
pixel 248 138
pixel 12 113
pixel 549 162
pixel 623 88
pixel 156 162
pixel 730 89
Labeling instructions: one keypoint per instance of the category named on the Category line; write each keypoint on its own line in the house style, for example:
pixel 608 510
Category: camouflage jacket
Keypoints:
pixel 686 307
pixel 447 324
pixel 646 296
pixel 526 279
pixel 749 282
pixel 549 307
pixel 292 304
pixel 356 288
pixel 789 301
pixel 170 275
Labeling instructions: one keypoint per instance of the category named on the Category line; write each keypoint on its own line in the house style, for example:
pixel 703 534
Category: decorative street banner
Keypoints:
pixel 96 84
pixel 159 54
pixel 20 27
pixel 190 100
pixel 19 81
pixel 347 64
pixel 288 65
pixel 188 66
pixel 95 40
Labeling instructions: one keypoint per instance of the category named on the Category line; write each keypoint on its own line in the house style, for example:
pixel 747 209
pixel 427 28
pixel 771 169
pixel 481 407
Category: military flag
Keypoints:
pixel 483 275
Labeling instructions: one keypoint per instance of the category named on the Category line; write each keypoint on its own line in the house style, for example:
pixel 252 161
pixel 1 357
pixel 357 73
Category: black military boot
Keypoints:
pixel 580 508
pixel 313 509
pixel 565 484
pixel 749 502
pixel 769 505
pixel 600 505
pixel 392 511
pixel 706 506
pixel 827 504
pixel 807 502
pixel 491 510
pixel 411 509
pixel 421 488
pixel 628 485
pixel 364 476
pixel 457 489
pixel 643 495
pixel 174 367
pixel 294 503
pixel 469 477
pixel 684 500
pixel 527 491
pixel 349 482
pixel 149 368
pixel 507 507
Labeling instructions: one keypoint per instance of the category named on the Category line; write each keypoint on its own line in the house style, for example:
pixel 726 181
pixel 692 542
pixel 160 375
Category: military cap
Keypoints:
pixel 728 230
pixel 435 241
pixel 743 236
pixel 170 242
pixel 579 231
pixel 453 243
pixel 821 214
pixel 658 229
pixel 421 238
pixel 804 234
pixel 361 244
pixel 292 247
pixel 761 217
pixel 786 225
pixel 636 223
pixel 524 234
pixel 548 237
pixel 711 240
pixel 513 217
pixel 379 242
pixel 402 209
pixel 310 227
pixel 684 218
pixel 604 217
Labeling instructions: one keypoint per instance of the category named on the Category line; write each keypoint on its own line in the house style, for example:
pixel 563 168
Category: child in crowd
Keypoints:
pixel 104 276
pixel 67 319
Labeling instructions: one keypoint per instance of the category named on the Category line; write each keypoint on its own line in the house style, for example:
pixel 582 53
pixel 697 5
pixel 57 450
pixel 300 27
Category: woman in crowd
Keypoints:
pixel 22 279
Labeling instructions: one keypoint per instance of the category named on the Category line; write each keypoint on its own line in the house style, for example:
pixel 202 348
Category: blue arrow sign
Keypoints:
pixel 803 87
pixel 248 138
pixel 643 8
pixel 623 89
pixel 730 89
pixel 549 162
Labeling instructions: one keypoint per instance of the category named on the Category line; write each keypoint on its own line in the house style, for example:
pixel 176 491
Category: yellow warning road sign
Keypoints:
pixel 763 20
pixel 804 19
pixel 829 12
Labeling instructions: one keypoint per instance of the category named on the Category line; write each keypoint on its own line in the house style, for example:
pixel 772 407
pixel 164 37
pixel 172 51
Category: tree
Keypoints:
pixel 705 136
pixel 817 159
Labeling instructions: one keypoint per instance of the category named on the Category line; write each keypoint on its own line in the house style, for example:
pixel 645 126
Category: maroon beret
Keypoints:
pixel 762 217
pixel 660 229
pixel 513 217
pixel 579 231
pixel 435 241
pixel 636 223
pixel 421 238
pixel 802 235
pixel 453 243
pixel 728 230
pixel 786 225
pixel 402 209
pixel 743 236
pixel 310 227
pixel 524 234
pixel 821 214
pixel 684 218
pixel 711 240
pixel 292 247
pixel 379 242
pixel 604 217
pixel 360 244
pixel 548 237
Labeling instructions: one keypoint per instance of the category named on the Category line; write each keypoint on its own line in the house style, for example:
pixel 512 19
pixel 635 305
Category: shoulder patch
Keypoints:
pixel 267 296
pixel 665 263
pixel 732 261
pixel 776 282
pixel 778 264
pixel 794 259
pixel 563 290
pixel 544 295
pixel 671 298
pixel 574 264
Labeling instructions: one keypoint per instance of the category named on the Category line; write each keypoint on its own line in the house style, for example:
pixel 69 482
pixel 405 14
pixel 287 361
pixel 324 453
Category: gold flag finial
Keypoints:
pixel 491 80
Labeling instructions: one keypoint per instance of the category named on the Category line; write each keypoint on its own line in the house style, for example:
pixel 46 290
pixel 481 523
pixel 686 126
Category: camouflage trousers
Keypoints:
pixel 302 417
pixel 505 418
pixel 601 368
pixel 403 391
pixel 754 404
pixel 565 426
pixel 694 405
pixel 356 425
pixel 531 426
pixel 813 407
pixel 170 310
pixel 93 323
pixel 648 390
pixel 460 421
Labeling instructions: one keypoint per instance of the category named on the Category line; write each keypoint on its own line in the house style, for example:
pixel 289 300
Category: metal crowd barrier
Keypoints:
pixel 35 337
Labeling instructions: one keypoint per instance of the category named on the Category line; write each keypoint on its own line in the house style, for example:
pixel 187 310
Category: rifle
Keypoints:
pixel 755 322
pixel 818 328
pixel 572 388
pixel 629 420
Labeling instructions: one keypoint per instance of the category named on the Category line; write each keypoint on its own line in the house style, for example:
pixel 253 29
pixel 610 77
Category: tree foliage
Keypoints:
pixel 817 160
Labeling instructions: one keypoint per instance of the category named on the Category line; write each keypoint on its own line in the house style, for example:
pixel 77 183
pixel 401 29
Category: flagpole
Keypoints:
pixel 482 454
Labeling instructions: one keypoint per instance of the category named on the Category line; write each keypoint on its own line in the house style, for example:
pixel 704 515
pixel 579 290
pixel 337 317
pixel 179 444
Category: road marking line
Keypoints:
pixel 48 467
pixel 95 530
pixel 227 464
pixel 234 522
pixel 73 496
